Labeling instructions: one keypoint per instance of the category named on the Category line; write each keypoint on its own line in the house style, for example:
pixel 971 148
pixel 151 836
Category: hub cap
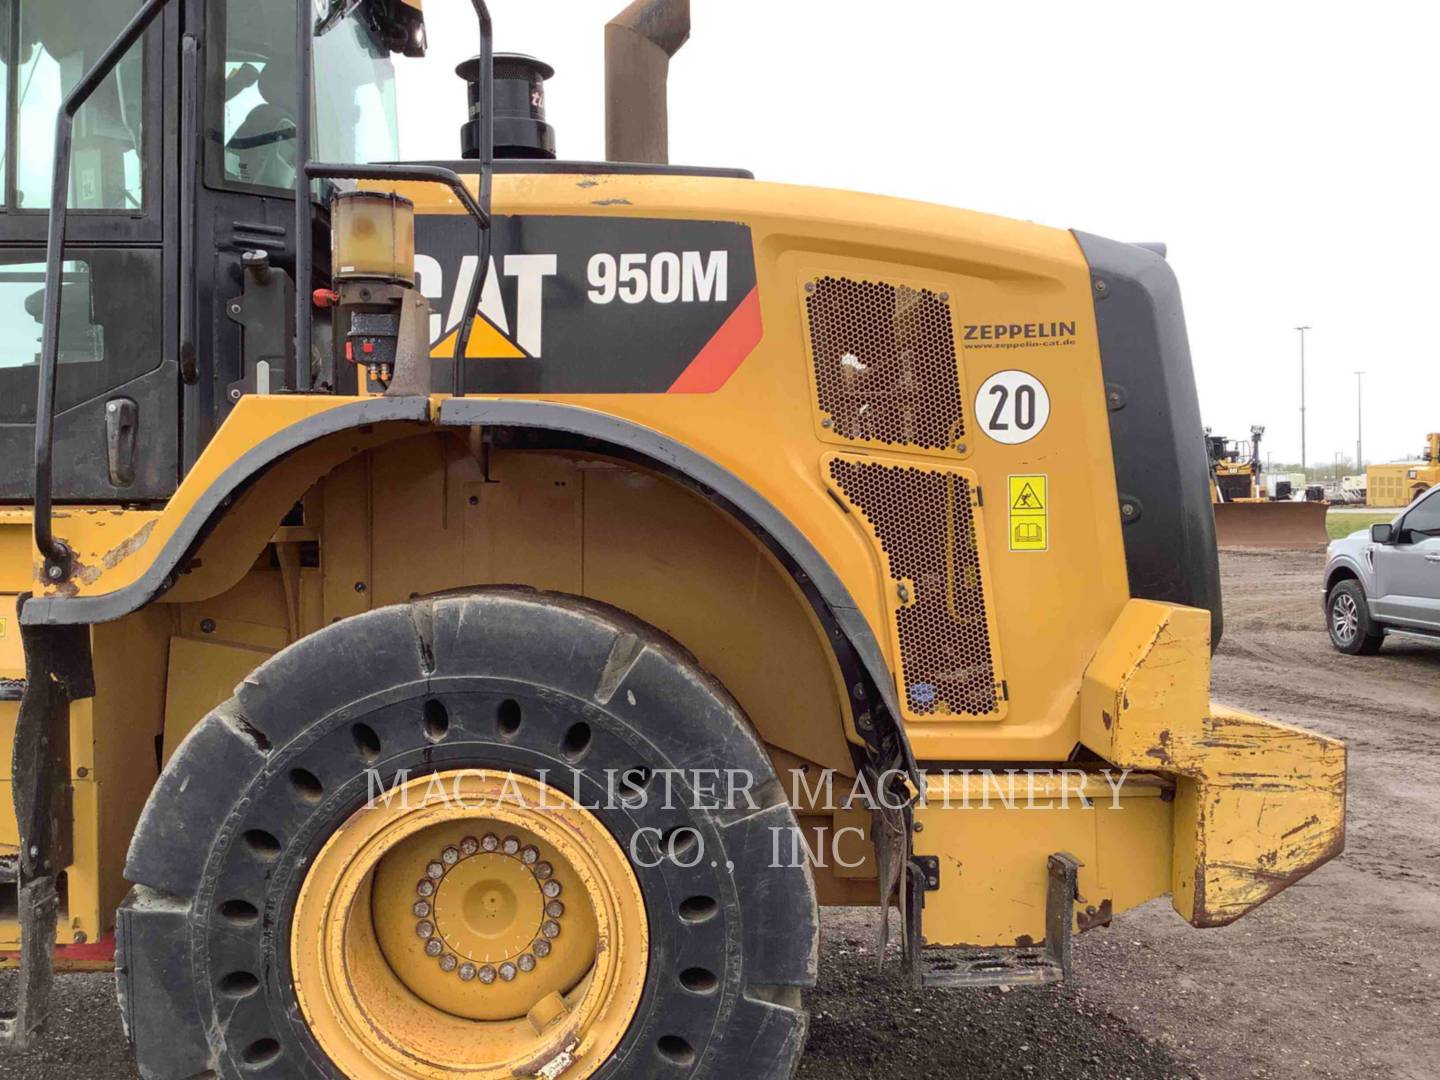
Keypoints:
pixel 1344 618
pixel 473 923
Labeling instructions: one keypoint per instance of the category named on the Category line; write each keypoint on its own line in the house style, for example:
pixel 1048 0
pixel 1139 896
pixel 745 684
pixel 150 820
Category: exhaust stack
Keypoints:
pixel 639 43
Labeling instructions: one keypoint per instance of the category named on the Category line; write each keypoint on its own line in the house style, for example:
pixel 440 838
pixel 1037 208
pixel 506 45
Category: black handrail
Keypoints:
pixel 304 238
pixel 487 155
pixel 58 557
pixel 434 174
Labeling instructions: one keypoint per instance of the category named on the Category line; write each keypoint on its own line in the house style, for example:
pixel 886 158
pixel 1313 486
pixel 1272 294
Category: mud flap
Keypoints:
pixel 58 671
pixel 145 975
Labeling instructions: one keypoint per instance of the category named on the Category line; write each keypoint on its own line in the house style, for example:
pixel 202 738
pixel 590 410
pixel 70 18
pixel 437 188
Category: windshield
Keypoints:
pixel 255 84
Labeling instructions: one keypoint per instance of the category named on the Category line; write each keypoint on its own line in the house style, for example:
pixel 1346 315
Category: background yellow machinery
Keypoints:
pixel 1247 514
pixel 1398 483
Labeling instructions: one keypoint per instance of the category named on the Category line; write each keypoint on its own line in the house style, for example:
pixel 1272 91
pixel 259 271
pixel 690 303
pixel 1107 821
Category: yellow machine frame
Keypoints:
pixel 1220 809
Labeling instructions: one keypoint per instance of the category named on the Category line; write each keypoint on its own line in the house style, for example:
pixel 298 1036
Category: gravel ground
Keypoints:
pixel 1339 977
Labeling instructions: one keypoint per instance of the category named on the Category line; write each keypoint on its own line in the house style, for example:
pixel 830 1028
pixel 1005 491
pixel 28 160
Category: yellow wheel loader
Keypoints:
pixel 466 617
pixel 1399 483
pixel 1247 514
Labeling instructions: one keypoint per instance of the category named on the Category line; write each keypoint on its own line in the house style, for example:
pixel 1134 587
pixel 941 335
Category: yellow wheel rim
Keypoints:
pixel 473 923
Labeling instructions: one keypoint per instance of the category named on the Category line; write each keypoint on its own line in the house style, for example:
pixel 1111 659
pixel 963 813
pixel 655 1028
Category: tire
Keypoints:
pixel 1347 618
pixel 498 679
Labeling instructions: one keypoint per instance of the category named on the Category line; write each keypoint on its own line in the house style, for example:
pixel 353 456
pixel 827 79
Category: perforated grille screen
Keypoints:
pixel 885 368
pixel 925 523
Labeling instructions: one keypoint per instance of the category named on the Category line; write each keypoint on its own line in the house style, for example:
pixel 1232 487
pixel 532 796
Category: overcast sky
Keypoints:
pixel 1284 151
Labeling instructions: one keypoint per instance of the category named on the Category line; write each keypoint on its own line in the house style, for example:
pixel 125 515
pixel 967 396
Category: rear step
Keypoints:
pixel 1025 965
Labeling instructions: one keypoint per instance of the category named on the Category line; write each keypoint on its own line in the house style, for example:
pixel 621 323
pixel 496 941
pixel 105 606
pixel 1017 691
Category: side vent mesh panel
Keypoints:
pixel 926 525
pixel 885 367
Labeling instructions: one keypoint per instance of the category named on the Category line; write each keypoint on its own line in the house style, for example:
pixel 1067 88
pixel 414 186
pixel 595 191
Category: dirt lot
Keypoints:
pixel 1338 977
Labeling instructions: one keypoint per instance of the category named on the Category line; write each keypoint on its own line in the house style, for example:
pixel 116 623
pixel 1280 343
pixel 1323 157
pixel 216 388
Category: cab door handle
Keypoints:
pixel 122 419
pixel 1432 558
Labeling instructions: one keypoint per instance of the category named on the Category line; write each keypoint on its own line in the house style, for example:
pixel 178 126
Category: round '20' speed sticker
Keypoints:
pixel 1012 406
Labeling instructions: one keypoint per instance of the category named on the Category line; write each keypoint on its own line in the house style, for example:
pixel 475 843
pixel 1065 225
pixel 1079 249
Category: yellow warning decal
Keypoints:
pixel 1029 513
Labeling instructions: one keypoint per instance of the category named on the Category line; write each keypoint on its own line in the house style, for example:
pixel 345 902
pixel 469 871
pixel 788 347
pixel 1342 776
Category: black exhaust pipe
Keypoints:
pixel 639 43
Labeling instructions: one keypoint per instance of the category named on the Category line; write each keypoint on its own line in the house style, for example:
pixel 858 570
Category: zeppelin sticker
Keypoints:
pixel 1028 335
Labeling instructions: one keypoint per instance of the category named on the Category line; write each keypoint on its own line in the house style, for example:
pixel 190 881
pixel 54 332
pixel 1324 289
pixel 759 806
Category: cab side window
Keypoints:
pixel 109 325
pixel 253 106
pixel 58 42
pixel 252 96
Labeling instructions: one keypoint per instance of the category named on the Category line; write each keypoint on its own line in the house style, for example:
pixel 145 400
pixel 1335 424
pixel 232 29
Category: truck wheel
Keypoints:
pixel 485 835
pixel 1348 619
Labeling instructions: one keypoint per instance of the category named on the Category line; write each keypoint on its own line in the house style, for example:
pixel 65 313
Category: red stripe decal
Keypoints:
pixel 725 352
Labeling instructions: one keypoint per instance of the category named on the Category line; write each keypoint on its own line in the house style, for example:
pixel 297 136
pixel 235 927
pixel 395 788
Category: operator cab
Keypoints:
pixel 182 160
pixel 181 205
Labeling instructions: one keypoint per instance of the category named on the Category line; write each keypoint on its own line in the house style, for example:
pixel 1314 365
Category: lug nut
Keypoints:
pixel 436 870
pixel 487 975
pixel 421 908
pixel 511 845
pixel 491 842
pixel 526 962
pixel 450 856
pixel 469 846
pixel 541 948
pixel 507 972
pixel 448 962
pixel 550 928
pixel 467 972
pixel 554 909
pixel 543 870
pixel 551 888
pixel 426 887
pixel 425 929
pixel 433 947
pixel 529 856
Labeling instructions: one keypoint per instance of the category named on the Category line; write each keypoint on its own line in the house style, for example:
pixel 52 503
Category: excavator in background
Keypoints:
pixel 1400 482
pixel 1247 513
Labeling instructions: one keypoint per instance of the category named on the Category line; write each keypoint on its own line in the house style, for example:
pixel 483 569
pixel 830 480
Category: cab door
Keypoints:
pixel 243 183
pixel 117 386
pixel 1407 571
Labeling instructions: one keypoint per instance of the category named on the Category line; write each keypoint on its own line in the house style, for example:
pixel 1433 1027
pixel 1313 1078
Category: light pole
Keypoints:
pixel 1359 421
pixel 1304 465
